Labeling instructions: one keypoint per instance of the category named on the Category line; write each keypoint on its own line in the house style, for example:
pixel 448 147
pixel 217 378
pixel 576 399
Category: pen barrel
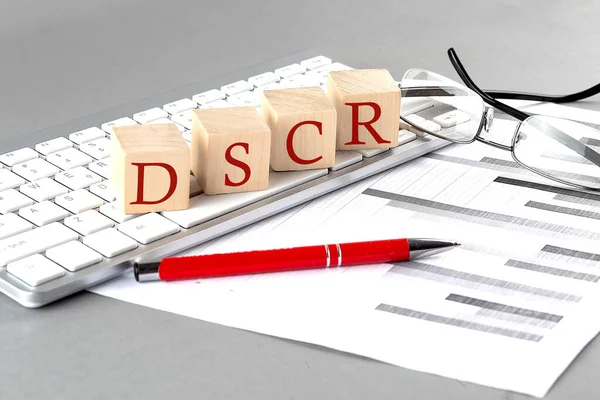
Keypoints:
pixel 372 252
pixel 241 263
pixel 284 259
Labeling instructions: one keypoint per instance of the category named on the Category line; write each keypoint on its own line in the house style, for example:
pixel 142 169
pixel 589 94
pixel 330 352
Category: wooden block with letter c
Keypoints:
pixel 368 108
pixel 303 125
pixel 150 168
pixel 230 150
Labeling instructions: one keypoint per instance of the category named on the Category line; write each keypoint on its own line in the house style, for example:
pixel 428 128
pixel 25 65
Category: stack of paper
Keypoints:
pixel 510 308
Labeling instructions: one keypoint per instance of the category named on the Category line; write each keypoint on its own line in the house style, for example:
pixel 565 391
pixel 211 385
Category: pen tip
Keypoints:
pixel 457 244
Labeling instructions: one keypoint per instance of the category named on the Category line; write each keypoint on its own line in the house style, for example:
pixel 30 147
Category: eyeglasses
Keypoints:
pixel 555 148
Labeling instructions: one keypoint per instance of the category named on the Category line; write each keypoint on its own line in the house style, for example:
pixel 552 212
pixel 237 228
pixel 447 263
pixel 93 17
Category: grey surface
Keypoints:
pixel 65 59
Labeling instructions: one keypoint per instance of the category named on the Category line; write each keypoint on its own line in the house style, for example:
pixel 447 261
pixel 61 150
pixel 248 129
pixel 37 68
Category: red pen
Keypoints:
pixel 289 259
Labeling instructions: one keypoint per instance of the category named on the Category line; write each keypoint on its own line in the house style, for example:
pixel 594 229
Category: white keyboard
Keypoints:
pixel 59 231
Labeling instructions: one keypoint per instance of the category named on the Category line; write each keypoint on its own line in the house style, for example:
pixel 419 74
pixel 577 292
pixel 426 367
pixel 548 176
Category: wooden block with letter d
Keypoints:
pixel 302 122
pixel 230 150
pixel 150 168
pixel 368 108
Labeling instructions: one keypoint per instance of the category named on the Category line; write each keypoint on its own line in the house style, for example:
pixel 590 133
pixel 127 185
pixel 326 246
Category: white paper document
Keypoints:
pixel 510 308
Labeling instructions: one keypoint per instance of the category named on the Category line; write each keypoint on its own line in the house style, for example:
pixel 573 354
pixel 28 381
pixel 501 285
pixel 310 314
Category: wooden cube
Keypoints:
pixel 230 150
pixel 150 168
pixel 303 128
pixel 368 108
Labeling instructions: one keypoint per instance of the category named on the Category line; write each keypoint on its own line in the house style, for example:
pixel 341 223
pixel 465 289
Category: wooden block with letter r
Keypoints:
pixel 302 122
pixel 230 150
pixel 150 168
pixel 368 108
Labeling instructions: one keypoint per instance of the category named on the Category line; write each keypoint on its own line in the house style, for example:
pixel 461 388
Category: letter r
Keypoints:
pixel 368 124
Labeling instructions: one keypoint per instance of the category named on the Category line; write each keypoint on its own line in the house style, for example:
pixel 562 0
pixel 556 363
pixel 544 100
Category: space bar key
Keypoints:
pixel 206 207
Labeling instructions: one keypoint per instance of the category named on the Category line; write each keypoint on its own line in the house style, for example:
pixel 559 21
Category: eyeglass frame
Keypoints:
pixel 491 98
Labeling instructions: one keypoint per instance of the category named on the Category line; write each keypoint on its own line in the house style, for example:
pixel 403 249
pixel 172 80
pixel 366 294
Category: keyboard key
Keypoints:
pixel 180 106
pixel 114 212
pixel 35 169
pixel 53 145
pixel 34 241
pixel 104 191
pixel 9 180
pixel 35 270
pixel 245 99
pixel 344 158
pixel 184 119
pixel 78 178
pixel 124 121
pixel 321 77
pixel 99 148
pixel 272 86
pixel 101 167
pixel 12 224
pixel 150 115
pixel 451 118
pixel 290 70
pixel 87 135
pixel 78 201
pixel 149 228
pixel 368 153
pixel 110 242
pixel 218 104
pixel 206 207
pixel 263 79
pixel 415 105
pixel 73 256
pixel 69 158
pixel 336 66
pixel 18 156
pixel 43 189
pixel 43 213
pixel 11 200
pixel 208 97
pixel 298 81
pixel 323 72
pixel 316 62
pixel 431 126
pixel 405 136
pixel 88 222
pixel 168 121
pixel 415 119
pixel 236 87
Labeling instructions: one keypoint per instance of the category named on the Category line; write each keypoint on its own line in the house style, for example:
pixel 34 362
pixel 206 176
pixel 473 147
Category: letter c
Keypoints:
pixel 289 143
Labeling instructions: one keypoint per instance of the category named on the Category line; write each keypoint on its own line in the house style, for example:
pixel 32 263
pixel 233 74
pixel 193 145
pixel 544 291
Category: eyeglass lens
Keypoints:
pixel 561 149
pixel 440 105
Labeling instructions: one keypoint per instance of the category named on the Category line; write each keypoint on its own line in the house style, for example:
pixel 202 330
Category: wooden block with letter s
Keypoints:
pixel 230 150
pixel 368 108
pixel 303 125
pixel 150 168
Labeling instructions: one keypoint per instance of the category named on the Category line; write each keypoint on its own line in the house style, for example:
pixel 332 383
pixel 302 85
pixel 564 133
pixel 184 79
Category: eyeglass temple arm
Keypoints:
pixel 584 94
pixel 518 114
pixel 498 94
pixel 558 135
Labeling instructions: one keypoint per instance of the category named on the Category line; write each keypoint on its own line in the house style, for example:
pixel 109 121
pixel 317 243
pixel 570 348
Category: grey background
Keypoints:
pixel 65 59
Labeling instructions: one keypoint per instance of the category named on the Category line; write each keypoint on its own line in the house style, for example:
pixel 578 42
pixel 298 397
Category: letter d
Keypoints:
pixel 140 182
